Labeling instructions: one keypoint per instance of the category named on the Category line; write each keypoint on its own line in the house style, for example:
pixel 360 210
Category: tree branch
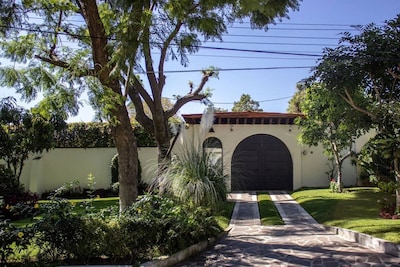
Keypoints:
pixel 137 85
pixel 182 101
pixel 350 101
pixel 167 43
pixel 98 36
pixel 195 95
pixel 140 116
pixel 394 75
pixel 59 63
pixel 149 63
pixel 53 47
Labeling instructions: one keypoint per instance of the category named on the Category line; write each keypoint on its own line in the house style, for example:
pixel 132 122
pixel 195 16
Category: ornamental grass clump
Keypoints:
pixel 194 178
pixel 194 175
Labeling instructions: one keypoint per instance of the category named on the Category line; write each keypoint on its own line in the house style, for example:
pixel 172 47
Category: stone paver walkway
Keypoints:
pixel 301 242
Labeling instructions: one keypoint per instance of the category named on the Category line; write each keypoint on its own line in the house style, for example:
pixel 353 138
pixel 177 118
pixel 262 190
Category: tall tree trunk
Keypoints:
pixel 339 176
pixel 162 135
pixel 125 143
pixel 122 131
pixel 338 163
pixel 397 177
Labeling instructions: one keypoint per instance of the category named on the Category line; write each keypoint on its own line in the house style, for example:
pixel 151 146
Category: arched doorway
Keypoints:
pixel 261 162
pixel 213 146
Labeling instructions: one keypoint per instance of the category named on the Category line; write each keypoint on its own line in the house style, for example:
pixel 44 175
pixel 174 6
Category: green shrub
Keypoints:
pixel 9 184
pixel 59 230
pixel 114 169
pixel 152 226
pixel 96 134
pixel 12 240
pixel 177 226
pixel 90 235
pixel 388 187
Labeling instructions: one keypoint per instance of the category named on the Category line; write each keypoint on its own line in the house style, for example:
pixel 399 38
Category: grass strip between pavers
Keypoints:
pixel 269 215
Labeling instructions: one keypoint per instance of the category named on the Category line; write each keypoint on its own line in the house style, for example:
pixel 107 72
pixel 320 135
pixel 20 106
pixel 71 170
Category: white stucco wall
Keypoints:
pixel 52 169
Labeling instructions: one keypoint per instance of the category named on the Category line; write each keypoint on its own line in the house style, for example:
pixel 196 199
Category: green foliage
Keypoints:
pixel 377 167
pixel 366 62
pixel 9 183
pixel 58 231
pixel 377 158
pixel 388 187
pixel 328 120
pixel 177 225
pixel 12 240
pixel 63 234
pixel 21 133
pixel 102 46
pixel 246 104
pixel 96 134
pixel 85 135
pixel 298 97
pixel 114 169
pixel 19 205
pixel 194 178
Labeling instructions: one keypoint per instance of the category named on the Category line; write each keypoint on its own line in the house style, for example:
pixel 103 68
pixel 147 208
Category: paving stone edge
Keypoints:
pixel 365 240
pixel 185 253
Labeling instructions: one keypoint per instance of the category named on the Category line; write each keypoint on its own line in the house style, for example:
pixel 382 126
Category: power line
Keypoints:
pixel 300 29
pixel 113 38
pixel 248 57
pixel 231 69
pixel 261 101
pixel 281 36
pixel 261 51
pixel 270 43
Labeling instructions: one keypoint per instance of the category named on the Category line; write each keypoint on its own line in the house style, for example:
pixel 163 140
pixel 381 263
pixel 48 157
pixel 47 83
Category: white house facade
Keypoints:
pixel 260 151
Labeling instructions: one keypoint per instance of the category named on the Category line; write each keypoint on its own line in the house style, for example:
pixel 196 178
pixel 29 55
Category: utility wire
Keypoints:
pixel 261 101
pixel 230 69
pixel 260 51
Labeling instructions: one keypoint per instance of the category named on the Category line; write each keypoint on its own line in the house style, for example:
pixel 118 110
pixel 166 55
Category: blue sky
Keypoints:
pixel 316 25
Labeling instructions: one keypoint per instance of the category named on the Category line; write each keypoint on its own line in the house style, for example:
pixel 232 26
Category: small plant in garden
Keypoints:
pixel 387 208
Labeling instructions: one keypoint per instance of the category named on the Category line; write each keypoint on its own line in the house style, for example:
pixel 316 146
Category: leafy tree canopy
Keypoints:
pixel 328 120
pixel 298 97
pixel 22 133
pixel 61 48
pixel 369 62
pixel 246 104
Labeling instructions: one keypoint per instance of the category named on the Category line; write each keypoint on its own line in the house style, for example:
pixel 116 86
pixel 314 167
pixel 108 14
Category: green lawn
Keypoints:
pixel 356 209
pixel 224 214
pixel 269 215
